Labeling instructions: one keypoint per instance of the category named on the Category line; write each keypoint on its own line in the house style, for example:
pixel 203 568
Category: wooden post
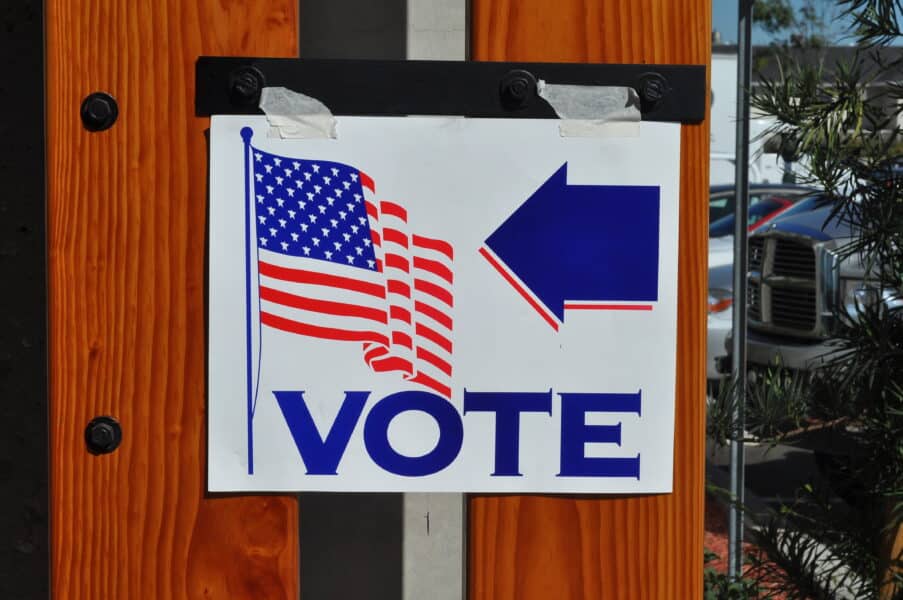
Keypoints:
pixel 127 242
pixel 640 547
pixel 891 565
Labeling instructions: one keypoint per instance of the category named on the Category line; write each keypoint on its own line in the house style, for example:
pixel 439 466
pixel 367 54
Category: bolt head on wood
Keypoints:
pixel 99 111
pixel 103 435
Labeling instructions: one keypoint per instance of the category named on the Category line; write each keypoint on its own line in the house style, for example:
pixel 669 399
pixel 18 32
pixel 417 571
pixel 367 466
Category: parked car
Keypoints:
pixel 721 244
pixel 722 202
pixel 720 317
pixel 759 213
pixel 721 259
pixel 797 279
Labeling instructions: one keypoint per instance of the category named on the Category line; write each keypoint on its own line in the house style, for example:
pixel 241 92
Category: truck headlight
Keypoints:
pixel 858 295
pixel 720 300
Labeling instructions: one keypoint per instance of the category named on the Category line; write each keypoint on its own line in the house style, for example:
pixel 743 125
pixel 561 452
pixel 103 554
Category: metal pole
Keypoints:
pixel 741 215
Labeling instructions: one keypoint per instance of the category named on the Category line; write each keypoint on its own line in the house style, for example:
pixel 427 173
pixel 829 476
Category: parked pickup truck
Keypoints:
pixel 797 279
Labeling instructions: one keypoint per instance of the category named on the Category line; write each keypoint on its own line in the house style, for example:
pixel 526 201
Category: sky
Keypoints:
pixel 724 20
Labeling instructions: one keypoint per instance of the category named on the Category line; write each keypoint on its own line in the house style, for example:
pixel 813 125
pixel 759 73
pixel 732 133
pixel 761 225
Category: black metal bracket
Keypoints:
pixel 227 85
pixel 24 401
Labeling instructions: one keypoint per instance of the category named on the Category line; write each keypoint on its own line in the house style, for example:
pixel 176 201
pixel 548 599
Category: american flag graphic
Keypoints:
pixel 336 263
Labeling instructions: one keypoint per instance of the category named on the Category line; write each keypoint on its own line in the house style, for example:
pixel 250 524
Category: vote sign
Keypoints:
pixel 442 304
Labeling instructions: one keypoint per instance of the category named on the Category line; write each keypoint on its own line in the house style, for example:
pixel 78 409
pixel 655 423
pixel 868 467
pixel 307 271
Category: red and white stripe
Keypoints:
pixel 402 312
pixel 419 279
pixel 328 301
pixel 433 304
pixel 390 238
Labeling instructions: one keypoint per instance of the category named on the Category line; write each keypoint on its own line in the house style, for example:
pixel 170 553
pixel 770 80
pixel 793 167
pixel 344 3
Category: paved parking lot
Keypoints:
pixel 773 474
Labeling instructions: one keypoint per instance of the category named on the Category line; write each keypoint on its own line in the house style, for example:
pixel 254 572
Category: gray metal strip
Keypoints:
pixel 434 542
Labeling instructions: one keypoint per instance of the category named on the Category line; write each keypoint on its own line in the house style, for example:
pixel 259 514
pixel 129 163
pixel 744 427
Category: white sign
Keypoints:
pixel 442 304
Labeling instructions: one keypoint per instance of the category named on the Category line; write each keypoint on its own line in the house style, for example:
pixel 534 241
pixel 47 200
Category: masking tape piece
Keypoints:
pixel 592 110
pixel 293 115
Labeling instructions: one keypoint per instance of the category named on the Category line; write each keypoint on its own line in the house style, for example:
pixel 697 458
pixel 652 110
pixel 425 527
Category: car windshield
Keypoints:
pixel 805 205
pixel 725 225
pixel 721 198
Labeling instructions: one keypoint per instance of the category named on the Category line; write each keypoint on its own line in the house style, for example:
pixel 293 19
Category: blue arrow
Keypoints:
pixel 583 242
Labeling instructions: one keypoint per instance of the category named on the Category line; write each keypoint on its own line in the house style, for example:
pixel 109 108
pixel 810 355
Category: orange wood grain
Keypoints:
pixel 126 234
pixel 621 548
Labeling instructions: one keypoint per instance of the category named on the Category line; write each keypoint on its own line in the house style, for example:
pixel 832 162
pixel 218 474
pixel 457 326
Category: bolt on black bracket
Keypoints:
pixel 228 85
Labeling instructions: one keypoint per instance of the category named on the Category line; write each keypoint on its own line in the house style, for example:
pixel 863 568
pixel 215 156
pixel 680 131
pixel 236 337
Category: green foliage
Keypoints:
pixel 819 549
pixel 849 143
pixel 774 16
pixel 777 403
pixel 875 21
pixel 718 586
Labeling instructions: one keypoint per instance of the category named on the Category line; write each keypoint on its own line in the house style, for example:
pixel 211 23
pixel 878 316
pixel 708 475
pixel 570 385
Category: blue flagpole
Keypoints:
pixel 246 133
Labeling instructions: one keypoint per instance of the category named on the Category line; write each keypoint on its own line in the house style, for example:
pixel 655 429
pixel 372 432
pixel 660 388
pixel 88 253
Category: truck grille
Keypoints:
pixel 782 286
pixel 792 259
pixel 756 253
pixel 753 290
pixel 793 308
pixel 753 301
